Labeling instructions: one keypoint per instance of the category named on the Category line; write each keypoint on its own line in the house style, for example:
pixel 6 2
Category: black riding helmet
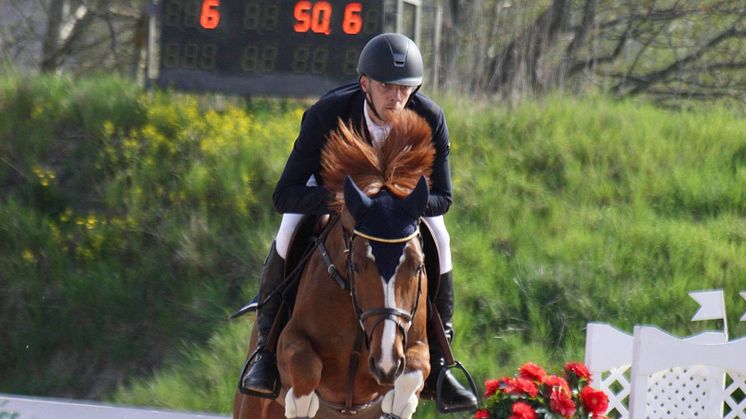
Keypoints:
pixel 391 58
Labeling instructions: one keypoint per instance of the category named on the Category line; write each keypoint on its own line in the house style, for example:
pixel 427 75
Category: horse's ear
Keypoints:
pixel 416 202
pixel 356 201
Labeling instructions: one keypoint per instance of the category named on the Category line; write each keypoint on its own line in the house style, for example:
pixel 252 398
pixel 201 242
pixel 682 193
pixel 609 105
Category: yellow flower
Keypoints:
pixel 90 222
pixel 44 175
pixel 65 216
pixel 108 128
pixel 28 256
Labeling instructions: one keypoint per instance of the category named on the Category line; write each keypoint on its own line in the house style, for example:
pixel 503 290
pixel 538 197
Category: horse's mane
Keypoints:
pixel 406 155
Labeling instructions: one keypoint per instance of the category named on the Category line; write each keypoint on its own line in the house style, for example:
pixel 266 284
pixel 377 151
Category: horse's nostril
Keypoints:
pixel 373 367
pixel 400 366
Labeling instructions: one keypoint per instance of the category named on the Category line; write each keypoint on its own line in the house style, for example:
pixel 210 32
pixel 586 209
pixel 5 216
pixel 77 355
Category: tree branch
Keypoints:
pixel 526 49
pixel 678 65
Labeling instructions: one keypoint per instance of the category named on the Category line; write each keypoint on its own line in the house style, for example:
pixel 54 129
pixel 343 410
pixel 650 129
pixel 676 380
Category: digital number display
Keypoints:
pixel 264 47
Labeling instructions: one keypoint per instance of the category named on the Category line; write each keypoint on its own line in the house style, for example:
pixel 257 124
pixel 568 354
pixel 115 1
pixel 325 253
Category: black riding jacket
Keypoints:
pixel 291 194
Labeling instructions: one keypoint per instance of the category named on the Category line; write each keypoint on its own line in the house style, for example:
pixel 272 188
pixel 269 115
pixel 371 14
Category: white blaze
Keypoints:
pixel 388 337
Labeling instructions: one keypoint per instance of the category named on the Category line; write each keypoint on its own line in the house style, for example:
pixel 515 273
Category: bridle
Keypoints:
pixel 401 318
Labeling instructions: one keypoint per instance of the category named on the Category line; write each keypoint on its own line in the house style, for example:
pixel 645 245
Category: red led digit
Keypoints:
pixel 353 21
pixel 315 17
pixel 322 14
pixel 210 16
pixel 302 16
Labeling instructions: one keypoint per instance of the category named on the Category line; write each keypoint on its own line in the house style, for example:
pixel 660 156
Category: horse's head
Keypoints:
pixel 386 271
pixel 380 212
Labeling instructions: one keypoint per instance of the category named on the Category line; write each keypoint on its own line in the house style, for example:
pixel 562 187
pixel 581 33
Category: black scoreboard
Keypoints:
pixel 263 47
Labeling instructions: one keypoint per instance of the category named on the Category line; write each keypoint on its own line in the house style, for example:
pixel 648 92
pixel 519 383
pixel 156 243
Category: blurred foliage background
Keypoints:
pixel 133 222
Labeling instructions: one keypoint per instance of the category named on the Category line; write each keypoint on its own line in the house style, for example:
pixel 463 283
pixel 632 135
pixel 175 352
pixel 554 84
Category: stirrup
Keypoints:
pixel 250 307
pixel 439 389
pixel 275 388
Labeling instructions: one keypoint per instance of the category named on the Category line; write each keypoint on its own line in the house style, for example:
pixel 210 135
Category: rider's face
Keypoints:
pixel 386 98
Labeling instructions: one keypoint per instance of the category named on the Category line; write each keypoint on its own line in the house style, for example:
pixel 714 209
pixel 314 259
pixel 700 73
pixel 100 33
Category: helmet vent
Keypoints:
pixel 400 59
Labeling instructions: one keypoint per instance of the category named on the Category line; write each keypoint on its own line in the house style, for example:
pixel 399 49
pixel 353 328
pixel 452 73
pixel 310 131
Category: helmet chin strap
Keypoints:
pixel 373 107
pixel 411 95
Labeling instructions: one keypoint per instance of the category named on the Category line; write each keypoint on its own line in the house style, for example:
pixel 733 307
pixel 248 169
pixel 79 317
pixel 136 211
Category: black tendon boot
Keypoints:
pixel 454 396
pixel 261 377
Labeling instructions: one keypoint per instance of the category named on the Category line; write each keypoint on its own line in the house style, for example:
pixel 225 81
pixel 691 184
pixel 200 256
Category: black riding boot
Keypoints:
pixel 454 396
pixel 261 376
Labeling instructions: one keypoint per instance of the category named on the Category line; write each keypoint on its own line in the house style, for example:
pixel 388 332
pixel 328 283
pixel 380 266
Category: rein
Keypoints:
pixel 294 275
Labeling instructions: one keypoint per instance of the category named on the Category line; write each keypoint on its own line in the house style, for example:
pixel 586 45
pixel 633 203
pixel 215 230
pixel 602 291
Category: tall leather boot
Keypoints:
pixel 454 396
pixel 261 376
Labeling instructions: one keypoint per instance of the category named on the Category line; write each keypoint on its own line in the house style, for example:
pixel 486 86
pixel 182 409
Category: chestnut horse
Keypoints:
pixel 362 295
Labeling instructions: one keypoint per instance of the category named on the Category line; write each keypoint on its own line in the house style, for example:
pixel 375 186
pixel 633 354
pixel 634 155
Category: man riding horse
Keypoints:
pixel 390 72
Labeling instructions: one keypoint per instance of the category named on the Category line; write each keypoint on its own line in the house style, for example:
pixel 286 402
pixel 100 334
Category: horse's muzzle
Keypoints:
pixel 386 377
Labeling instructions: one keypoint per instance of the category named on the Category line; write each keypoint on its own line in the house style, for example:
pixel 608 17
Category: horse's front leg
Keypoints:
pixel 401 402
pixel 300 367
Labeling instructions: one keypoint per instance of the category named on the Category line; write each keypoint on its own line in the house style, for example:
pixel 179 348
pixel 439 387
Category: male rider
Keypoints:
pixel 390 72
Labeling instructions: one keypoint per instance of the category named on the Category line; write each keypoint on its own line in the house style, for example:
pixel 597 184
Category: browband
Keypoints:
pixel 382 240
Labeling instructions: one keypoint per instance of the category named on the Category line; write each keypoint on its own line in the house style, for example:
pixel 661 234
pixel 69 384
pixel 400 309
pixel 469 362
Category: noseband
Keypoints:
pixel 401 318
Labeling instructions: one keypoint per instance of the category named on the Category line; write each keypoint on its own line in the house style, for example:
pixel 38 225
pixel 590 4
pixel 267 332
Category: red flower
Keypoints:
pixel 579 369
pixel 507 384
pixel 491 387
pixel 553 381
pixel 532 392
pixel 560 402
pixel 531 371
pixel 594 401
pixel 522 411
pixel 522 386
pixel 482 414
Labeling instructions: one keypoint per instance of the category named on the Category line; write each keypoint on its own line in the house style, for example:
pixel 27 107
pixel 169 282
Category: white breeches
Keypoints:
pixel 437 226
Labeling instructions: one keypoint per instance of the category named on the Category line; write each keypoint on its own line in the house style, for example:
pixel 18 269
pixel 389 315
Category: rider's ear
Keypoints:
pixel 416 202
pixel 356 201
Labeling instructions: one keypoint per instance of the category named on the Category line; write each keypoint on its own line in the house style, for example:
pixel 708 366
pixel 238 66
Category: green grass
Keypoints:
pixel 131 223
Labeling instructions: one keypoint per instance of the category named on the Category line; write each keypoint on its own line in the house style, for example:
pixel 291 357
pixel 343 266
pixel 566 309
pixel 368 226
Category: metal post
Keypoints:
pixel 152 61
pixel 417 18
pixel 436 47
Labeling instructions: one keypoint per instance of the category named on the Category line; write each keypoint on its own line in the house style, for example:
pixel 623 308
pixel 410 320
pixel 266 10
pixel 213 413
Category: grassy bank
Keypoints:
pixel 131 223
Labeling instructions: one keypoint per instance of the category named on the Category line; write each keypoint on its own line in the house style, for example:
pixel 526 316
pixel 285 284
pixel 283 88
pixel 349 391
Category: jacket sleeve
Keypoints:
pixel 291 194
pixel 440 188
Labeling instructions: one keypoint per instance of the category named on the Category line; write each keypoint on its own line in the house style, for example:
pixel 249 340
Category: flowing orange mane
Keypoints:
pixel 406 154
